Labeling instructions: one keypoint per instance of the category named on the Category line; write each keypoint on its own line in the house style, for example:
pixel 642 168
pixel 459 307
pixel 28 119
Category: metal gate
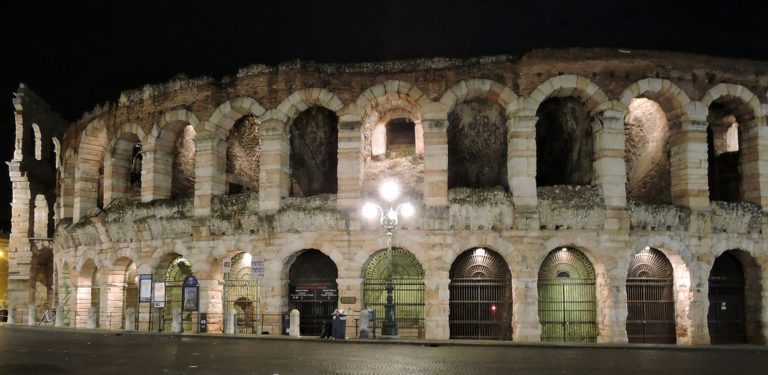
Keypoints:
pixel 408 293
pixel 313 290
pixel 650 299
pixel 726 319
pixel 179 269
pixel 480 297
pixel 241 294
pixel 567 297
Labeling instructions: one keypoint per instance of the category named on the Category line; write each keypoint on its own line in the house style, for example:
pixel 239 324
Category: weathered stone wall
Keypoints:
pixel 522 223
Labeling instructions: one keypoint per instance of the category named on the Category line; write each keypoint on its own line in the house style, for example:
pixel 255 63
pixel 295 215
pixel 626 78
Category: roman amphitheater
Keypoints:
pixel 573 195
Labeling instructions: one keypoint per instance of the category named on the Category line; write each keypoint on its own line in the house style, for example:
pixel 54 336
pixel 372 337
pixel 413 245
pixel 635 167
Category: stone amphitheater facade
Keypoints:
pixel 635 174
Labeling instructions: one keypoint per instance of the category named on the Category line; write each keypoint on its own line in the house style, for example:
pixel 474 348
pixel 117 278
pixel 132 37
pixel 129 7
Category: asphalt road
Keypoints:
pixel 38 351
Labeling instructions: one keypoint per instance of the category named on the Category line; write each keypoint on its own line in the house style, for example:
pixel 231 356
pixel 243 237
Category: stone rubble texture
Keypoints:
pixel 183 127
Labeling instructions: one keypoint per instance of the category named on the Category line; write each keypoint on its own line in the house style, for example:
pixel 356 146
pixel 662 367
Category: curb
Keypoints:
pixel 397 341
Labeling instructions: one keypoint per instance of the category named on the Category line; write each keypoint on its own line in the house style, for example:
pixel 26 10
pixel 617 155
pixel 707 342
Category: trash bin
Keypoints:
pixel 286 323
pixel 203 323
pixel 340 327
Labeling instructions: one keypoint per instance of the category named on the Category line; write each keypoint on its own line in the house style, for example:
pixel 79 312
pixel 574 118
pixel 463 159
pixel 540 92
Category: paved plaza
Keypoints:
pixel 49 351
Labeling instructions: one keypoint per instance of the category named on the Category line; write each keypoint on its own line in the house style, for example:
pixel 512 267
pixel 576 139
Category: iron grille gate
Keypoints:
pixel 408 297
pixel 242 296
pixel 480 309
pixel 726 312
pixel 651 311
pixel 315 300
pixel 567 310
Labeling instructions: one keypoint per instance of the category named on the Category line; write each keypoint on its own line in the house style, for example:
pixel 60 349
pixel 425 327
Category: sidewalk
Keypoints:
pixel 400 341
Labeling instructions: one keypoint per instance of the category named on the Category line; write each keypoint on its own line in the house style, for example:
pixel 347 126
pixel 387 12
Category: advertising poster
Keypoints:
pixel 159 296
pixel 145 288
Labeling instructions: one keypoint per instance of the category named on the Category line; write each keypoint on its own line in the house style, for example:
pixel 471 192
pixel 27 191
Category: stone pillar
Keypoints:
pixel 130 319
pixel 612 306
pixel 435 162
pixel 230 326
pixel 41 217
pixel 60 312
pixel 274 174
pixel 762 316
pixel 525 309
pixel 116 172
pixel 349 171
pixel 32 315
pixel 521 170
pixel 754 164
pixel 92 318
pixel 86 186
pixel 274 298
pixel 211 292
pixel 19 255
pixel 11 314
pixel 176 323
pixel 699 302
pixel 363 331
pixel 609 167
pixel 83 304
pixel 294 331
pixel 111 303
pixel 156 171
pixel 688 161
pixel 210 170
pixel 436 306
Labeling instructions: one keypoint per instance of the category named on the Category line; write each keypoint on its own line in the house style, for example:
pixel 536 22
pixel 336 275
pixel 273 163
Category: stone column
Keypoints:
pixel 19 294
pixel 41 217
pixel 436 305
pixel 435 162
pixel 211 292
pixel 116 173
pixel 210 170
pixel 274 175
pixel 610 171
pixel 521 170
pixel 274 291
pixel 688 161
pixel 612 306
pixel 349 171
pixel 762 316
pixel 754 164
pixel 699 302
pixel 111 316
pixel 156 173
pixel 525 308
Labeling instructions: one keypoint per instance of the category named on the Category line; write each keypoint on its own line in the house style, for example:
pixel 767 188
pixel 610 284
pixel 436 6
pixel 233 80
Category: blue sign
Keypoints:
pixel 191 281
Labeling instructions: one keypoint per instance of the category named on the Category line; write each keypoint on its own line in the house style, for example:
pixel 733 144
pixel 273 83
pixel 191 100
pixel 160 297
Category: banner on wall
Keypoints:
pixel 145 288
pixel 257 267
pixel 159 295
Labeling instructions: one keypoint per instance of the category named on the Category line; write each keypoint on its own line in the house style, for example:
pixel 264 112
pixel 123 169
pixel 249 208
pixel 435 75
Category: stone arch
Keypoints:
pixel 313 159
pixel 736 283
pixel 121 291
pixel 173 269
pixel 650 298
pixel 477 133
pixel 88 293
pixel 118 162
pixel 226 114
pixel 594 99
pixel 480 303
pixel 381 108
pixel 672 99
pixel 733 174
pixel 312 289
pixel 170 151
pixel 89 169
pixel 303 99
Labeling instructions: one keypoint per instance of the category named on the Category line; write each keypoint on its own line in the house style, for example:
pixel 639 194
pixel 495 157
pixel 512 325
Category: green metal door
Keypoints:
pixel 567 303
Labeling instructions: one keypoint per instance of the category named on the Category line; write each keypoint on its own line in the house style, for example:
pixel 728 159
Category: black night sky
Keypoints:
pixel 76 56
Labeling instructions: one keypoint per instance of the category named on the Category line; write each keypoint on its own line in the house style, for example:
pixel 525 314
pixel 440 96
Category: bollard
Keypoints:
pixel 59 316
pixel 91 318
pixel 176 322
pixel 364 319
pixel 231 321
pixel 130 319
pixel 11 315
pixel 32 315
pixel 294 330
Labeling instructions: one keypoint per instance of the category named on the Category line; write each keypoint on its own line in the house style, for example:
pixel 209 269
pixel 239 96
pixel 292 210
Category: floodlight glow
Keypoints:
pixel 564 249
pixel 246 259
pixel 407 209
pixel 389 190
pixel 480 251
pixel 370 210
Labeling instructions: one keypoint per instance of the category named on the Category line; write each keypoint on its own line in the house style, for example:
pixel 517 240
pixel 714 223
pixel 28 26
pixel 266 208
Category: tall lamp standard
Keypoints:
pixel 389 191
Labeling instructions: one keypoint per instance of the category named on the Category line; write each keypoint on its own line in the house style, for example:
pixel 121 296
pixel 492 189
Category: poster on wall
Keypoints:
pixel 191 300
pixel 257 267
pixel 145 288
pixel 159 295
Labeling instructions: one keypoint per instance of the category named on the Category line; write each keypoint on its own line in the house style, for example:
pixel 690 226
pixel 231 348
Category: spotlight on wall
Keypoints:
pixel 480 251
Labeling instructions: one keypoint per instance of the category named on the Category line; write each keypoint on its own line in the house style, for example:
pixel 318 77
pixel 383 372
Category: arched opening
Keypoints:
pixel 126 164
pixel 241 294
pixel 408 294
pixel 477 145
pixel 88 295
pixel 183 165
pixel 89 171
pixel 314 157
pixel 41 281
pixel 480 296
pixel 243 156
pixel 312 290
pixel 564 143
pixel 650 298
pixel 178 269
pixel 724 151
pixel 735 299
pixel 64 295
pixel 567 299
pixel 647 150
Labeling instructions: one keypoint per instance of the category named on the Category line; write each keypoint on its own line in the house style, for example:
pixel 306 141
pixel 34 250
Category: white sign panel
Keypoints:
pixel 257 267
pixel 226 265
pixel 145 288
pixel 159 295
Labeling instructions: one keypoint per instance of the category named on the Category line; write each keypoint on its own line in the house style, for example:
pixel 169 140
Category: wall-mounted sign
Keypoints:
pixel 226 265
pixel 314 292
pixel 191 281
pixel 159 295
pixel 145 288
pixel 348 300
pixel 191 298
pixel 257 267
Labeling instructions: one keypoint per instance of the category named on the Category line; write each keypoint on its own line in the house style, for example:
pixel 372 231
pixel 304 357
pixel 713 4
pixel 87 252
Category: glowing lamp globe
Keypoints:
pixel 407 210
pixel 389 190
pixel 370 211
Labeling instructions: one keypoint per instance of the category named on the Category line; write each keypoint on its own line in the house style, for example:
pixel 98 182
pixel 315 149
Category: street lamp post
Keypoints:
pixel 389 219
